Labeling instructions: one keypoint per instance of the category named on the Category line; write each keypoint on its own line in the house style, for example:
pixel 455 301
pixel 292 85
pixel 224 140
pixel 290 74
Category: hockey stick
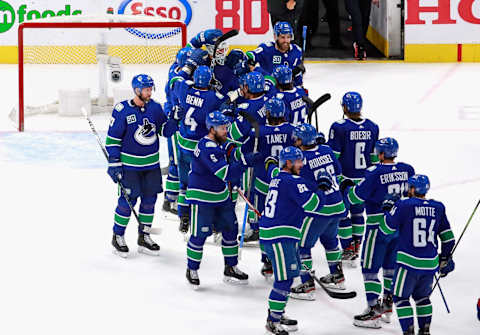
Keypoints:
pixel 331 293
pixel 443 297
pixel 313 106
pixel 105 153
pixel 256 126
pixel 249 204
pixel 459 239
pixel 304 46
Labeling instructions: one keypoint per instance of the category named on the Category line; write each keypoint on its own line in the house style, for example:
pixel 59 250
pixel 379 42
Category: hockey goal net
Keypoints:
pixel 85 63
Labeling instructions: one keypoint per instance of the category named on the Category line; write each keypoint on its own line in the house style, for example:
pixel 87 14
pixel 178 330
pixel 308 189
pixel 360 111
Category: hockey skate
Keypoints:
pixel 275 328
pixel 147 246
pixel 410 331
pixel 119 245
pixel 233 275
pixel 288 324
pixel 359 52
pixel 370 318
pixel 267 270
pixel 425 330
pixel 305 291
pixel 193 280
pixel 387 308
pixel 169 206
pixel 349 256
pixel 184 224
pixel 334 281
pixel 251 238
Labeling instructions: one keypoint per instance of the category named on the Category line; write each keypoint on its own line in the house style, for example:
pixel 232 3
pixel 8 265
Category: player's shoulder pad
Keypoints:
pixel 342 121
pixel 243 105
pixel 280 95
pixel 210 144
pixel 372 168
pixel 296 47
pixel 267 44
pixel 219 95
pixel 189 82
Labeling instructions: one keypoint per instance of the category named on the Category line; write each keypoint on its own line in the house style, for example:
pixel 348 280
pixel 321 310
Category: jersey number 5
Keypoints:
pixel 420 232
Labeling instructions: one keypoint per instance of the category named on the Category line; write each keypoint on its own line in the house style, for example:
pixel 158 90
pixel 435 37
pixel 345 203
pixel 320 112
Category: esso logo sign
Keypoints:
pixel 168 9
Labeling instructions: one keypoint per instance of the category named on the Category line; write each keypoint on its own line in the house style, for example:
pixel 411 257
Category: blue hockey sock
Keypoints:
pixel 172 186
pixel 195 252
pixel 404 312
pixel 145 215
pixel 334 256
pixel 345 233
pixel 358 226
pixel 277 300
pixel 122 215
pixel 424 311
pixel 373 287
pixel 306 259
pixel 230 249
pixel 387 280
pixel 183 207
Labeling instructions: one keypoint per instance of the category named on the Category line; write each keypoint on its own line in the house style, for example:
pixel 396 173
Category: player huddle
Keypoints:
pixel 237 125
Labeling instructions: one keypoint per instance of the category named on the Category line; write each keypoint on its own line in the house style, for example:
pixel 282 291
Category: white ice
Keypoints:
pixel 58 275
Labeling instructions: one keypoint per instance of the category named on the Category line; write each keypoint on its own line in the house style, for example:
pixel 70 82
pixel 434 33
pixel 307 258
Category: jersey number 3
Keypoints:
pixel 271 203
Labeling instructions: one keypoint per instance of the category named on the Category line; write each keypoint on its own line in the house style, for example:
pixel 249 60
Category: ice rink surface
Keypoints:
pixel 59 275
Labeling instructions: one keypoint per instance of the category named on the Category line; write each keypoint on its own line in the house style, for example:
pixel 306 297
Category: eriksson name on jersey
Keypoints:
pixel 394 176
pixel 360 135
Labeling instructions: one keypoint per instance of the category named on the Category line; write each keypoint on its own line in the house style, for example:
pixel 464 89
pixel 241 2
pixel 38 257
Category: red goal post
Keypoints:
pixel 127 52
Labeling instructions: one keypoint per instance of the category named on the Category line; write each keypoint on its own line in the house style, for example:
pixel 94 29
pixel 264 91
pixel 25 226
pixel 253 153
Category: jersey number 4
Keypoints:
pixel 420 232
pixel 189 120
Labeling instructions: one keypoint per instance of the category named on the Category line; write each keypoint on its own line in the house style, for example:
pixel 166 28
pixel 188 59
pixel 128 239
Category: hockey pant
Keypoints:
pixel 286 266
pixel 353 226
pixel 418 285
pixel 205 218
pixel 144 184
pixel 185 158
pixel 324 229
pixel 172 185
pixel 378 252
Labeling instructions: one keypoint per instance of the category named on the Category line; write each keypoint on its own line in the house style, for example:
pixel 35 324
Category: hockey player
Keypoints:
pixel 418 222
pixel 280 52
pixel 292 96
pixel 386 178
pixel 172 185
pixel 353 140
pixel 211 204
pixel 320 158
pixel 288 201
pixel 132 145
pixel 274 136
pixel 197 99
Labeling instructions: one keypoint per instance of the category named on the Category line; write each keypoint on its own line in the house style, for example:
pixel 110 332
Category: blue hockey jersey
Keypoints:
pixel 296 107
pixel 210 172
pixel 171 99
pixel 240 129
pixel 419 223
pixel 354 143
pixel 380 180
pixel 133 134
pixel 269 57
pixel 322 158
pixel 289 201
pixel 197 104
pixel 271 141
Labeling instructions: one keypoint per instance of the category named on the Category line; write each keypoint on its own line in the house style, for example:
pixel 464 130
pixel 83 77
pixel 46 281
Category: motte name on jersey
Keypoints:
pixel 276 138
pixel 424 211
pixel 393 177
pixel 193 100
pixel 360 135
pixel 319 161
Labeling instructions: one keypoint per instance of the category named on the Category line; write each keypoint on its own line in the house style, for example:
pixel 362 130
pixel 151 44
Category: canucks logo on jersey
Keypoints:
pixel 146 133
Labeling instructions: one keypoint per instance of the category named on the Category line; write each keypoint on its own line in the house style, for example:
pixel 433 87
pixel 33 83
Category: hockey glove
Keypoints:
pixel 447 265
pixel 197 58
pixel 324 181
pixel 320 139
pixel 270 160
pixel 253 159
pixel 298 69
pixel 115 169
pixel 177 113
pixel 345 184
pixel 389 201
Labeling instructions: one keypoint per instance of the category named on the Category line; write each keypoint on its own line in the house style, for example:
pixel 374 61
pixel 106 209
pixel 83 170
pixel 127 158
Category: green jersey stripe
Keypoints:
pixel 206 196
pixel 186 143
pixel 417 262
pixel 139 161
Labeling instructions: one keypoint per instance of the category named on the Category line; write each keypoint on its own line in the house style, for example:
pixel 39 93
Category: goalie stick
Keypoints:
pixel 223 38
pixel 313 106
pixel 105 153
pixel 256 126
